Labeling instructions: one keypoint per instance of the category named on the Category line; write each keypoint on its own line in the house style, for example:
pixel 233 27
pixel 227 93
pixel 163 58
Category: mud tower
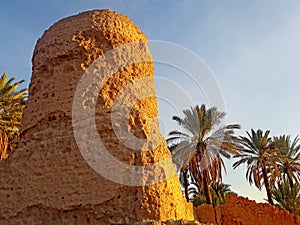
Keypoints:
pixel 49 179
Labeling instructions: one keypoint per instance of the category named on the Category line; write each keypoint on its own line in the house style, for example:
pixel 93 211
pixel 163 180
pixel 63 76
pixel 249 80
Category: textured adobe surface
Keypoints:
pixel 47 181
pixel 241 211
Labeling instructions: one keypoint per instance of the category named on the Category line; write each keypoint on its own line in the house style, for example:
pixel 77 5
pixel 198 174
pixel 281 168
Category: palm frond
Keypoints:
pixel 202 144
pixel 12 103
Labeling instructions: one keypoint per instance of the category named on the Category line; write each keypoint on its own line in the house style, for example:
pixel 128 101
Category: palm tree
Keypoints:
pixel 12 103
pixel 286 197
pixel 289 158
pixel 261 158
pixel 202 144
pixel 220 192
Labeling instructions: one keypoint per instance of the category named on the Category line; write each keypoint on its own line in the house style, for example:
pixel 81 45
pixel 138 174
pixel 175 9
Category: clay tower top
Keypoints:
pixel 65 51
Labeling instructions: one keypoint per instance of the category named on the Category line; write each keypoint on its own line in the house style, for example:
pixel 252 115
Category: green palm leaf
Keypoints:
pixel 12 103
pixel 261 159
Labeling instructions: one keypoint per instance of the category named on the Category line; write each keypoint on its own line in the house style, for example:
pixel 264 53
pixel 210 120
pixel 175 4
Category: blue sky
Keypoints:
pixel 252 48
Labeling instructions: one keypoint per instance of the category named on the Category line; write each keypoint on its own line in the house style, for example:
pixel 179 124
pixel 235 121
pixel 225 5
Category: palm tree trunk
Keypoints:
pixel 206 181
pixel 185 184
pixel 267 185
pixel 207 187
pixel 3 145
pixel 291 182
